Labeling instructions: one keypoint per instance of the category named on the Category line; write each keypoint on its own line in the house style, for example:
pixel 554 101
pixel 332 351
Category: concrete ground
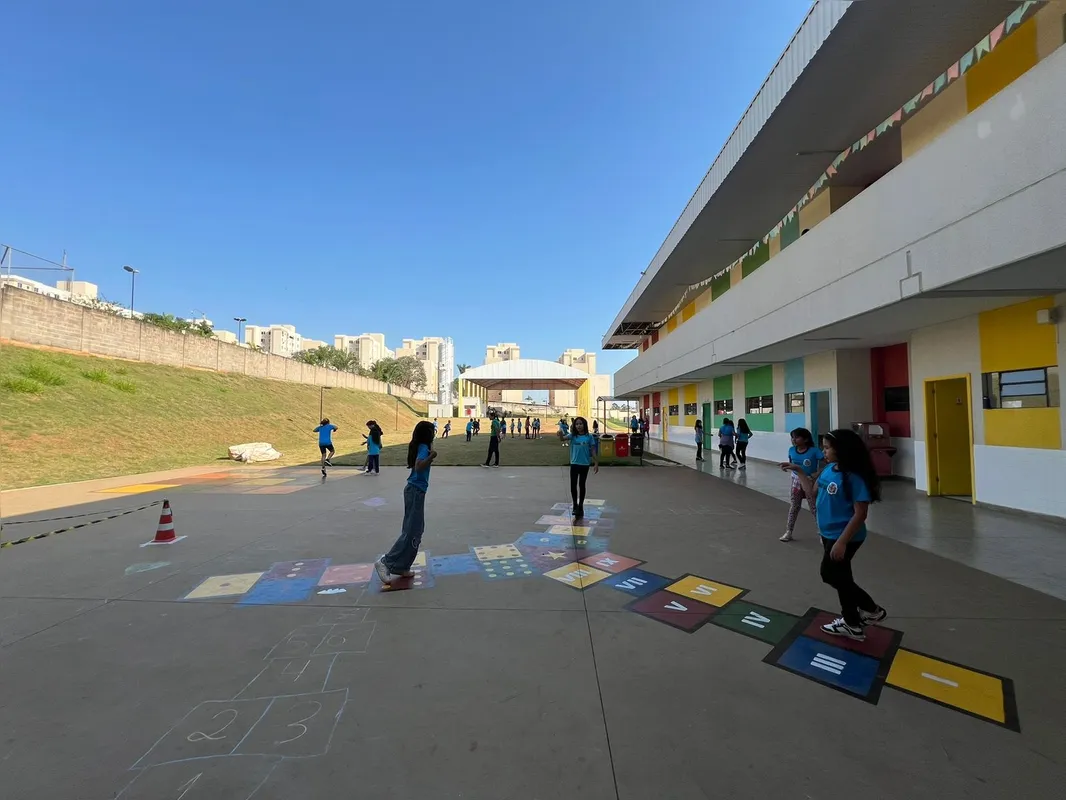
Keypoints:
pixel 491 680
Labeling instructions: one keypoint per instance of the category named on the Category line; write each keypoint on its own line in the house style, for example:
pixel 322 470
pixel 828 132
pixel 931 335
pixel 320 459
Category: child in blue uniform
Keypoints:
pixel 373 448
pixel 808 458
pixel 420 456
pixel 846 487
pixel 325 442
pixel 583 454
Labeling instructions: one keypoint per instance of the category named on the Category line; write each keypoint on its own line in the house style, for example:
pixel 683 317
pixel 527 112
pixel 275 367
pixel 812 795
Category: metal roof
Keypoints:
pixel 848 67
pixel 525 373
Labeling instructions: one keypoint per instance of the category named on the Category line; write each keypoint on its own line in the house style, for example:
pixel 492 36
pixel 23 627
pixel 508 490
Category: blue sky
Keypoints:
pixel 487 171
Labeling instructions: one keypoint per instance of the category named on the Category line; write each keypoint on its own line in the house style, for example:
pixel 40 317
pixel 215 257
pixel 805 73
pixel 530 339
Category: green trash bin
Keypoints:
pixel 606 448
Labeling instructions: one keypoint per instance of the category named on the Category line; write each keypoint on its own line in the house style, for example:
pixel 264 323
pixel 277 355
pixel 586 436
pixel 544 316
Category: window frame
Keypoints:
pixel 790 408
pixel 759 404
pixel 695 409
pixel 992 397
pixel 726 407
pixel 672 411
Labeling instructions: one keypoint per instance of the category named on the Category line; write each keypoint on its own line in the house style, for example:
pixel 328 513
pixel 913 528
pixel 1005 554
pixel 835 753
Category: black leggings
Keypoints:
pixel 742 452
pixel 494 449
pixel 578 476
pixel 838 575
pixel 725 452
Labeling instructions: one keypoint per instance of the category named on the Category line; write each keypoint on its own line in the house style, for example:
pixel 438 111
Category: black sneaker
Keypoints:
pixel 839 627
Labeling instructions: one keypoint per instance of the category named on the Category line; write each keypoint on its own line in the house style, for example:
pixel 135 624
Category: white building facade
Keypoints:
pixel 917 279
pixel 368 348
pixel 437 356
pixel 279 340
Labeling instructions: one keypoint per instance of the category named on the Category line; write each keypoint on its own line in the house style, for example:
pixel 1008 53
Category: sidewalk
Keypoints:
pixel 1028 550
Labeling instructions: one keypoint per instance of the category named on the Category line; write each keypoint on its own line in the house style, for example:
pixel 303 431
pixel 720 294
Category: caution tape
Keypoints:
pixel 77 516
pixel 76 527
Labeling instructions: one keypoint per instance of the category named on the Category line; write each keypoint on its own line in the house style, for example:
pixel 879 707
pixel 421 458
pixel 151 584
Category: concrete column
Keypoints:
pixel 854 395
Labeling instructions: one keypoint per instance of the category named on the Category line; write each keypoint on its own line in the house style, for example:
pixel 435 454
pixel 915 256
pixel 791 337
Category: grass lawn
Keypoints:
pixel 73 417
pixel 456 452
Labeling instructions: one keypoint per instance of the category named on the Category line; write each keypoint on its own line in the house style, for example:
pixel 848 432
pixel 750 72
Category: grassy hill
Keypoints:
pixel 74 417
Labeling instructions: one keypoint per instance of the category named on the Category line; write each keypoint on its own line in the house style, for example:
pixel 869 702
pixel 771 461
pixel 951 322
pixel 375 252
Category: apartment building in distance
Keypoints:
pixel 600 385
pixel 437 356
pixel 278 340
pixel 368 348
pixel 311 344
pixel 503 351
pixel 915 279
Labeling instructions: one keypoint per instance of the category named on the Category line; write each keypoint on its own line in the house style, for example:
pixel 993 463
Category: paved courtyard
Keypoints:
pixel 665 650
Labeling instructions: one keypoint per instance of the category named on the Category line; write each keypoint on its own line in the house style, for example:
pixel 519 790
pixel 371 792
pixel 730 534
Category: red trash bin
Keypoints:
pixel 621 445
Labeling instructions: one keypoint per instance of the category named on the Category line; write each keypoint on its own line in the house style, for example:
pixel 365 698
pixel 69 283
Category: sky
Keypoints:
pixel 489 171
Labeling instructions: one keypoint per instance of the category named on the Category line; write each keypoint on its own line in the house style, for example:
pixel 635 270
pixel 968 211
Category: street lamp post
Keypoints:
pixel 321 400
pixel 133 284
pixel 239 320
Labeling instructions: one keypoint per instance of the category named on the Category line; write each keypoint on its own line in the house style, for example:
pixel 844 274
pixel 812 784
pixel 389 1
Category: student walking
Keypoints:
pixel 595 427
pixel 583 454
pixel 469 429
pixel 699 440
pixel 744 435
pixel 726 436
pixel 325 431
pixel 447 429
pixel 420 456
pixel 494 442
pixel 512 427
pixel 536 428
pixel 846 488
pixel 373 448
pixel 564 432
pixel 805 458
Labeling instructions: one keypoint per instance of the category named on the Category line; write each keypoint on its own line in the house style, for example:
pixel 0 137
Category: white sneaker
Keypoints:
pixel 872 618
pixel 486 466
pixel 786 538
pixel 839 627
pixel 382 572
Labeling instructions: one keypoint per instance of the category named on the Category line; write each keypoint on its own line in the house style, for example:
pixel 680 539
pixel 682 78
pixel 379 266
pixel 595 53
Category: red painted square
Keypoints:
pixel 611 562
pixel 680 612
pixel 879 641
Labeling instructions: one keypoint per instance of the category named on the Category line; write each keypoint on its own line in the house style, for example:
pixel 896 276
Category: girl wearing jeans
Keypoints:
pixel 803 457
pixel 846 487
pixel 699 440
pixel 420 456
pixel 373 448
pixel 726 435
pixel 583 454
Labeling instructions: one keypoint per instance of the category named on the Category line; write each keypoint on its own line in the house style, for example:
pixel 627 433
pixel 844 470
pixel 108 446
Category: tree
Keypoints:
pixel 462 368
pixel 330 358
pixel 406 371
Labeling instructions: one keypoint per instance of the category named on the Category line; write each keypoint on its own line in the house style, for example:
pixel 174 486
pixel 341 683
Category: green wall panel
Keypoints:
pixel 759 381
pixel 759 256
pixel 723 387
pixel 719 286
pixel 790 232
pixel 759 422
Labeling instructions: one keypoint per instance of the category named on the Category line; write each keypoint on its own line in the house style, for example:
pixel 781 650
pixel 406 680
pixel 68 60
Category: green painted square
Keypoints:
pixel 720 286
pixel 759 256
pixel 758 622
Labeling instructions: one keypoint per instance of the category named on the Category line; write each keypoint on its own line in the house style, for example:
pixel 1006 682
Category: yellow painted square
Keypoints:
pixel 139 488
pixel 420 559
pixel 958 687
pixel 264 482
pixel 594 502
pixel 496 552
pixel 710 592
pixel 570 530
pixel 224 585
pixel 580 576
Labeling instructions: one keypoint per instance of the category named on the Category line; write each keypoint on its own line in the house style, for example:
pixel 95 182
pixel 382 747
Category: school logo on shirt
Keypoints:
pixel 832 487
pixel 806 462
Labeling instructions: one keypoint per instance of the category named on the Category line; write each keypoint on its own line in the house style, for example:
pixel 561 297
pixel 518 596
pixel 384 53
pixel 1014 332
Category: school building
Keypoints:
pixel 904 169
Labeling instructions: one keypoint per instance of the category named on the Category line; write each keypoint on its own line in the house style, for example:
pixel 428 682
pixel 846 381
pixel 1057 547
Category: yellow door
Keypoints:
pixel 948 419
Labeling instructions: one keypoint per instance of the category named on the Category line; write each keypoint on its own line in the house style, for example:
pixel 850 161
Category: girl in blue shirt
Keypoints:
pixel 744 435
pixel 804 455
pixel 420 456
pixel 373 443
pixel 583 454
pixel 846 487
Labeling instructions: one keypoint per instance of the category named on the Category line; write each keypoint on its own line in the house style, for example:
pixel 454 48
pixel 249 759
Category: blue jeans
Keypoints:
pixel 402 555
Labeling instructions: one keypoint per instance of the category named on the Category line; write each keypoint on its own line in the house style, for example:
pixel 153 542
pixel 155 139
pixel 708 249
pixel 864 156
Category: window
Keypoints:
pixel 761 405
pixel 655 415
pixel 1022 388
pixel 673 411
pixel 723 407
pixel 690 409
pixel 897 398
pixel 794 403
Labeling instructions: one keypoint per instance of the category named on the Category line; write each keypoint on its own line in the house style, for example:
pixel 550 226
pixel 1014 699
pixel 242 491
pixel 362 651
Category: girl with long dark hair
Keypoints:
pixel 846 488
pixel 583 455
pixel 744 435
pixel 420 457
pixel 803 457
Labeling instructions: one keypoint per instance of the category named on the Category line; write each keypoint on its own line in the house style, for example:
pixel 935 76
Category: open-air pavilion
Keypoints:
pixel 526 374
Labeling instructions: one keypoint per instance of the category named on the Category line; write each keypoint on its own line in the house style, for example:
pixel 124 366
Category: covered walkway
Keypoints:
pixel 1027 550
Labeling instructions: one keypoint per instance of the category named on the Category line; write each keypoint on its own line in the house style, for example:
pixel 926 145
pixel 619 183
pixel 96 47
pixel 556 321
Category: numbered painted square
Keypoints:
pixel 759 622
pixel 705 590
pixel 881 642
pixel 224 586
pixel 212 728
pixel 577 576
pixel 679 612
pixel 637 582
pixel 346 574
pixel 844 670
pixel 502 569
pixel 224 776
pixel 545 558
pixel 494 552
pixel 458 564
pixel 611 562
pixel 980 694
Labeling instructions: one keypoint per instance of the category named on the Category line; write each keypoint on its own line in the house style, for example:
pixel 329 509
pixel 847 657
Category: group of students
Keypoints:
pixel 372 439
pixel 732 443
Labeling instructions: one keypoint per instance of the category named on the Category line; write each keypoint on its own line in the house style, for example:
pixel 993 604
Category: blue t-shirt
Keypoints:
pixel 564 428
pixel 807 460
pixel 743 437
pixel 726 434
pixel 581 449
pixel 836 507
pixel 470 426
pixel 325 433
pixel 372 449
pixel 420 480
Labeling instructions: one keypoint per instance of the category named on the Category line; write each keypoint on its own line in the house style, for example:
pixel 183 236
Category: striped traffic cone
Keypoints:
pixel 165 533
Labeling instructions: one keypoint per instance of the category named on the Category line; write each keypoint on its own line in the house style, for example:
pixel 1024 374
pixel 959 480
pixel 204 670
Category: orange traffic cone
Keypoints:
pixel 165 533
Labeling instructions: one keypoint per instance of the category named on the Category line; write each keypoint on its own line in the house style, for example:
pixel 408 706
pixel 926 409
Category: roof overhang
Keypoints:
pixel 848 67
pixel 525 373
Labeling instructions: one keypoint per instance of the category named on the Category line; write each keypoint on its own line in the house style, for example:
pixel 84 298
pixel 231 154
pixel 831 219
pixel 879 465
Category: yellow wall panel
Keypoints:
pixel 736 275
pixel 1012 339
pixel 942 112
pixel 671 398
pixel 1023 427
pixel 688 312
pixel 1011 59
pixel 690 394
pixel 671 324
pixel 703 300
pixel 1050 28
pixel 815 211
pixel 775 245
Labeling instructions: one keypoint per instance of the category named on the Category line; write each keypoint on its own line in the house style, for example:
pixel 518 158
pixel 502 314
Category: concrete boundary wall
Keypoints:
pixel 30 318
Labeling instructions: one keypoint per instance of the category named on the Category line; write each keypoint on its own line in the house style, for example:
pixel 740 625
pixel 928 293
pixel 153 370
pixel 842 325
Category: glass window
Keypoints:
pixel 1023 388
pixel 761 405
pixel 723 407
pixel 691 409
pixel 795 403
pixel 655 414
pixel 673 411
pixel 898 398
